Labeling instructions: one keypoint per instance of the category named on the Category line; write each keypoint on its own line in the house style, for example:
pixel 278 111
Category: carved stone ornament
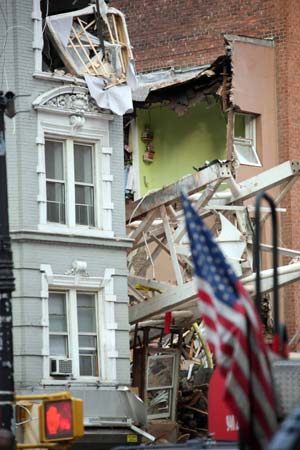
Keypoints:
pixel 79 103
pixel 76 120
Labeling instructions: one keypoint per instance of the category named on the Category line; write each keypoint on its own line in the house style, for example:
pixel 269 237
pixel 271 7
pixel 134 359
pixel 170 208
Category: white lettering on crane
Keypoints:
pixel 231 423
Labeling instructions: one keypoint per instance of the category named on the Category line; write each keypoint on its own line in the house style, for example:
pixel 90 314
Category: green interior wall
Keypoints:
pixel 180 142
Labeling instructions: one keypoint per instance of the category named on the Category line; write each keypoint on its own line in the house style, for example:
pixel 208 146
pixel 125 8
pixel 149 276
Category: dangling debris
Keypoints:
pixel 93 43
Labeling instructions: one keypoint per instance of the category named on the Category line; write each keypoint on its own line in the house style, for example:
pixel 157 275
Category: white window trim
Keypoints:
pixel 93 131
pixel 103 287
pixel 250 139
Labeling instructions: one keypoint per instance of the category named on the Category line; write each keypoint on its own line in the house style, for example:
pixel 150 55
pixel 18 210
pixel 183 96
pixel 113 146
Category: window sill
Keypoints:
pixel 75 231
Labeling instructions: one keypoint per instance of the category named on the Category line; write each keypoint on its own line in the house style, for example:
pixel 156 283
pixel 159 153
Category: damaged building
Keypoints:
pixel 191 35
pixel 212 130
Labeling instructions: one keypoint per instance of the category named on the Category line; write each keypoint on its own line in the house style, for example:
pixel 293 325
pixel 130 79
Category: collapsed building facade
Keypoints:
pixel 192 36
pixel 218 123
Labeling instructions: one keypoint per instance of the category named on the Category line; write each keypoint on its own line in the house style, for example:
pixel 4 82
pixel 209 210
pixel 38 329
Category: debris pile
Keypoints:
pixel 192 405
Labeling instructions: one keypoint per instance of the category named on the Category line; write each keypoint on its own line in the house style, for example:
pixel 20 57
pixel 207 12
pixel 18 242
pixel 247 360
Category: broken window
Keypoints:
pixel 244 141
pixel 92 40
pixel 161 383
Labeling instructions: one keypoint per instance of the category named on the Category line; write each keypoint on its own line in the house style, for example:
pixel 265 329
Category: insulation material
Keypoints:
pixel 118 98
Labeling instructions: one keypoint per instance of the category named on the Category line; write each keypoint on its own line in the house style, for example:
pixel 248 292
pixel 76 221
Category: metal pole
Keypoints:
pixel 6 288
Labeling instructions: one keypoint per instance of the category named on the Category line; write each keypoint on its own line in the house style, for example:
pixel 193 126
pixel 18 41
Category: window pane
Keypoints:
pixel 54 160
pixel 83 161
pixel 85 300
pixel 239 125
pixel 86 313
pixel 55 192
pixel 88 342
pixel 87 364
pixel 55 202
pixel 58 345
pixel 246 154
pixel 57 312
pixel 57 302
pixel 84 195
pixel 84 199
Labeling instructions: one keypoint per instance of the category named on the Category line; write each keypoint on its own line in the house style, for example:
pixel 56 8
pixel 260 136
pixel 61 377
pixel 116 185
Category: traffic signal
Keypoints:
pixel 61 419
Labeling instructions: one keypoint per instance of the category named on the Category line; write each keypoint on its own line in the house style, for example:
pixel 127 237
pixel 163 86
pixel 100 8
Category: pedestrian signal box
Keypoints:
pixel 61 420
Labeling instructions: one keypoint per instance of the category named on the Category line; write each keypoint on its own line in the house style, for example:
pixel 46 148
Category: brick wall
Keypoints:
pixel 180 33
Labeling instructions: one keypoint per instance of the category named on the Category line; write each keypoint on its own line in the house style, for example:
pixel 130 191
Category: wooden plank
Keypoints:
pixel 170 194
pixel 92 46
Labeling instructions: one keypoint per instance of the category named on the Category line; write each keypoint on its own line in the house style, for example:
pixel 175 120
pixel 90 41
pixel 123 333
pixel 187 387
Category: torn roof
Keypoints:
pixel 152 81
pixel 183 87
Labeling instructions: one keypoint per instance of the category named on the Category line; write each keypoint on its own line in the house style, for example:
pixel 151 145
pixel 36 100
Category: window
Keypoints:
pixel 58 332
pixel 84 186
pixel 244 142
pixel 73 165
pixel 78 184
pixel 161 381
pixel 87 335
pixel 55 181
pixel 74 338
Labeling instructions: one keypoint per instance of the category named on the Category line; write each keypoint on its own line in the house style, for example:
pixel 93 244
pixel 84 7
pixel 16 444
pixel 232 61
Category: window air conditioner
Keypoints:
pixel 60 366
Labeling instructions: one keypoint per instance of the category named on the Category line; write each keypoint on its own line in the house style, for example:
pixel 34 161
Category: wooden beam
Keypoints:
pixel 170 194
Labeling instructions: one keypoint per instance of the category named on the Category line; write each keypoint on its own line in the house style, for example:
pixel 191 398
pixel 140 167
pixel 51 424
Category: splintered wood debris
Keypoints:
pixel 92 41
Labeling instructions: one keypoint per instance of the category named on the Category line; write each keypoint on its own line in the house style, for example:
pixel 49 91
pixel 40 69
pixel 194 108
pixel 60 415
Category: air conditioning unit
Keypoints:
pixel 60 367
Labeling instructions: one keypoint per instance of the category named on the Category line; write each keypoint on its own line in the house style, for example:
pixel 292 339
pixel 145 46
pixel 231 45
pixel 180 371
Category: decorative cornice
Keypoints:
pixel 69 99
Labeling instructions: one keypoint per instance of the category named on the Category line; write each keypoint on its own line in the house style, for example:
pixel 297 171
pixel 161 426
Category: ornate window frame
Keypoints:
pixel 103 287
pixel 68 112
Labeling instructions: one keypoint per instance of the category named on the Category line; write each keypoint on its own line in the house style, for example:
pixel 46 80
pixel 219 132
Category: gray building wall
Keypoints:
pixel 32 248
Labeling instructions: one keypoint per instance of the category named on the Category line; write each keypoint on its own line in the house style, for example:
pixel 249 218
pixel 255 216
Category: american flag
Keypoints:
pixel 234 333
